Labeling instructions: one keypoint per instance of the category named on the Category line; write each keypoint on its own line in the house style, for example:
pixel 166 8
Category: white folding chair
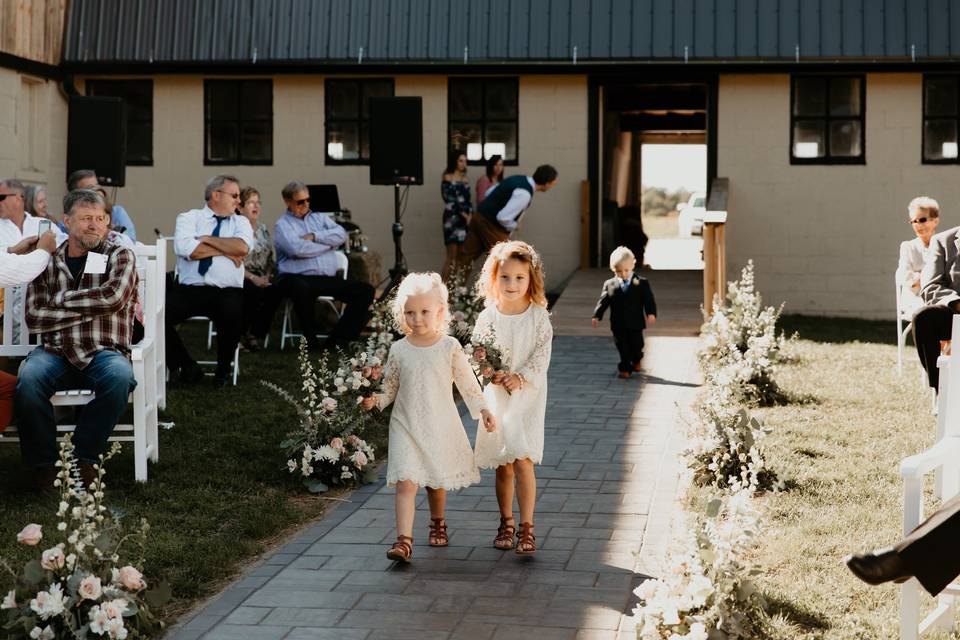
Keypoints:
pixel 286 330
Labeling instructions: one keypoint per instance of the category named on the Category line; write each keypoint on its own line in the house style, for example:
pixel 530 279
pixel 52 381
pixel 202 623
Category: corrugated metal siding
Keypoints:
pixel 504 30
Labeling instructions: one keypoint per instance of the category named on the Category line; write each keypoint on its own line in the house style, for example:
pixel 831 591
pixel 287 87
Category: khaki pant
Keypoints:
pixel 481 236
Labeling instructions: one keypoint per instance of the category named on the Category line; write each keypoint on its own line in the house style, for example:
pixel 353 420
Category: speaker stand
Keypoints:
pixel 399 269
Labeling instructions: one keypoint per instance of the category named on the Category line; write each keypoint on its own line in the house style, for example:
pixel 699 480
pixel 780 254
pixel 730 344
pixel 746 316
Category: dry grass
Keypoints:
pixel 841 453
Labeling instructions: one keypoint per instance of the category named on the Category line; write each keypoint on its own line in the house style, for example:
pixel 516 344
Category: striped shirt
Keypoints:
pixel 75 320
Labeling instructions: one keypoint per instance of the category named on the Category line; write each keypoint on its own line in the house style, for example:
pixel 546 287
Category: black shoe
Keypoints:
pixel 191 373
pixel 878 567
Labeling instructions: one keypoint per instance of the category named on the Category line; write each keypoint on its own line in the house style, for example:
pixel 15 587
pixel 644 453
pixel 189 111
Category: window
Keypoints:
pixel 483 118
pixel 347 118
pixel 941 116
pixel 826 120
pixel 238 122
pixel 138 100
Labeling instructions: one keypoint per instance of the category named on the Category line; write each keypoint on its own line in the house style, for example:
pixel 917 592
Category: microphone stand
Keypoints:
pixel 399 269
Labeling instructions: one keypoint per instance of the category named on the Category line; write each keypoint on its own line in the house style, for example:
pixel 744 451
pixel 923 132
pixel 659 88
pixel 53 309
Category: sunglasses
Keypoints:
pixel 4 196
pixel 920 220
pixel 302 201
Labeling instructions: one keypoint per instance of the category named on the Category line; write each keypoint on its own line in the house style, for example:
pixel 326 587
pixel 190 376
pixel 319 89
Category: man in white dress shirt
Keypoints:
pixel 923 214
pixel 18 228
pixel 210 244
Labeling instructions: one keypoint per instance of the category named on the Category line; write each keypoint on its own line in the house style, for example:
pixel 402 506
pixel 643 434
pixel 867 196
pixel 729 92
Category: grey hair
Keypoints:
pixel 82 198
pixel 12 183
pixel 215 183
pixel 620 254
pixel 926 204
pixel 30 197
pixel 292 188
pixel 77 176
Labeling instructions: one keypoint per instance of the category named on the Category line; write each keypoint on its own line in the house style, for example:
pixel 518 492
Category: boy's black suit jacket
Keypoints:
pixel 628 309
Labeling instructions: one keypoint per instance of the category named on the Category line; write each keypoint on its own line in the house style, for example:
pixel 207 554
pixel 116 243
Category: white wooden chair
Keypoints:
pixel 904 321
pixel 286 330
pixel 157 252
pixel 143 431
pixel 943 460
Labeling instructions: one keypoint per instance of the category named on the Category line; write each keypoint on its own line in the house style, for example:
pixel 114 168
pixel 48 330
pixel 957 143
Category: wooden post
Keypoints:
pixel 721 260
pixel 585 224
pixel 709 267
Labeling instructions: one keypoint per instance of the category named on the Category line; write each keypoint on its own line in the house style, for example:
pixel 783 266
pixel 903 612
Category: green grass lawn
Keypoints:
pixel 219 494
pixel 841 451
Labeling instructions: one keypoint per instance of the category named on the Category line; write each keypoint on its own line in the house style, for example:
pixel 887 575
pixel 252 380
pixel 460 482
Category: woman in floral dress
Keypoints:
pixel 455 189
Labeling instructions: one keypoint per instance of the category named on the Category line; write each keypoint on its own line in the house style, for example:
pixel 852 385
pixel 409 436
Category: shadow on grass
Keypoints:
pixel 796 614
pixel 838 330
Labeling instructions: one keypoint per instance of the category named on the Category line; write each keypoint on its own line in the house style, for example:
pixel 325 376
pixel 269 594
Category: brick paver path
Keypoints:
pixel 607 488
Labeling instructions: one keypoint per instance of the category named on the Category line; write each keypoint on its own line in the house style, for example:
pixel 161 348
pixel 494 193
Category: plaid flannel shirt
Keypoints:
pixel 75 320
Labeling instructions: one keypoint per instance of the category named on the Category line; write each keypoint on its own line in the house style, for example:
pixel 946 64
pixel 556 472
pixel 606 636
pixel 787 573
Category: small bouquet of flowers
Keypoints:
pixel 79 587
pixel 486 358
pixel 465 305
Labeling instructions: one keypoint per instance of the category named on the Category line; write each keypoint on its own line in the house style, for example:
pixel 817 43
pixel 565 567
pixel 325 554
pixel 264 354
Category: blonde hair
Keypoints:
pixel 620 254
pixel 924 203
pixel 512 250
pixel 416 284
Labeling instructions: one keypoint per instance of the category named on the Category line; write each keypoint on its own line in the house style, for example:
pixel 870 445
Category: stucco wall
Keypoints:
pixel 825 239
pixel 38 122
pixel 553 119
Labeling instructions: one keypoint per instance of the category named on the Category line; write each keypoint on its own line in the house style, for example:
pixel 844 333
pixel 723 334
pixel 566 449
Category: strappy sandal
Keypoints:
pixel 401 550
pixel 438 533
pixel 526 541
pixel 504 539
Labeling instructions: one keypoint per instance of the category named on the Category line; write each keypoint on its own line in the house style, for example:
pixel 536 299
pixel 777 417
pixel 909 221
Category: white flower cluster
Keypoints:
pixel 704 592
pixel 740 340
pixel 76 584
pixel 464 304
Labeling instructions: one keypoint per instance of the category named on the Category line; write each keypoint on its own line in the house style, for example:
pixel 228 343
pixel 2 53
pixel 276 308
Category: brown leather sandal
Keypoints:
pixel 504 539
pixel 526 541
pixel 401 550
pixel 438 533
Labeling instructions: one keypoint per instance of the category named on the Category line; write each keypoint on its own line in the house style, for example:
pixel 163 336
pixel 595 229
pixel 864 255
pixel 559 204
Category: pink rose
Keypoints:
pixel 115 608
pixel 31 535
pixel 366 371
pixel 487 372
pixel 90 588
pixel 479 354
pixel 52 559
pixel 375 372
pixel 360 459
pixel 337 443
pixel 131 578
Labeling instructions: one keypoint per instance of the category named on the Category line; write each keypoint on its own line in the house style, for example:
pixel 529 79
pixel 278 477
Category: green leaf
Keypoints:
pixel 315 486
pixel 104 542
pixel 158 596
pixel 33 573
pixel 131 610
pixel 713 508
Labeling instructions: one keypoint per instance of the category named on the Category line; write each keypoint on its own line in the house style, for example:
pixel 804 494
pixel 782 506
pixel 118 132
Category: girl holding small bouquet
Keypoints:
pixel 427 442
pixel 517 321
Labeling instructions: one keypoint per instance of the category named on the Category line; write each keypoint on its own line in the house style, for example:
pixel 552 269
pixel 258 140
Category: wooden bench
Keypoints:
pixel 148 368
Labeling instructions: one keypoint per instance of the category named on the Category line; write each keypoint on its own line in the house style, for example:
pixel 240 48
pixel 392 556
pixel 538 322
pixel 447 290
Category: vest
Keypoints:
pixel 498 198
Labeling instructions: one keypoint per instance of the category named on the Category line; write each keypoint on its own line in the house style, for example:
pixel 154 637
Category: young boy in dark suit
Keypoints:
pixel 632 308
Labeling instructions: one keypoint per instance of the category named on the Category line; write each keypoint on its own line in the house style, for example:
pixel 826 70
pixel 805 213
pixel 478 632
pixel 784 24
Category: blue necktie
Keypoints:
pixel 625 285
pixel 206 262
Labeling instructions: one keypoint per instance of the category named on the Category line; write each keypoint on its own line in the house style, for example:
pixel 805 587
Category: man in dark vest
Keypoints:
pixel 500 212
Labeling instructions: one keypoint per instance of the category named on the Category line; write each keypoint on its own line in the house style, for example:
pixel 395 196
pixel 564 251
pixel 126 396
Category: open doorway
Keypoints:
pixel 654 171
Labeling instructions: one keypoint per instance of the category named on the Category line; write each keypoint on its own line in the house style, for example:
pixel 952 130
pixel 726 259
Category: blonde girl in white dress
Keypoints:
pixel 516 312
pixel 428 446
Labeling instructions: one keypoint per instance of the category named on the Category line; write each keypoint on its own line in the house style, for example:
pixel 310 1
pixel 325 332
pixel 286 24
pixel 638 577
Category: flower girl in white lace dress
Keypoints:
pixel 428 446
pixel 516 314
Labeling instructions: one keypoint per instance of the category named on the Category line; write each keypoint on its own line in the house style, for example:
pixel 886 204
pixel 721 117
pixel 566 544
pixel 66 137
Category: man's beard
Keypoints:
pixel 90 241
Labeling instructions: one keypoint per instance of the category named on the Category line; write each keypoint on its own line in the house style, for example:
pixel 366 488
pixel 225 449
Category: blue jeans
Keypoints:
pixel 109 375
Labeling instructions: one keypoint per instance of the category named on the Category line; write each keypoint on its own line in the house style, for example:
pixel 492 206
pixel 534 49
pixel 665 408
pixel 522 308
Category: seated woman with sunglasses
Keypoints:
pixel 923 214
pixel 306 242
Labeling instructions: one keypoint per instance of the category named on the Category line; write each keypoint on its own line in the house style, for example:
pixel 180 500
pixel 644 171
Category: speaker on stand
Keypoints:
pixel 97 138
pixel 396 158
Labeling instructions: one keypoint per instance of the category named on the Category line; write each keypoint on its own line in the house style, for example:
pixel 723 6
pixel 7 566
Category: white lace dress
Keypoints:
pixel 427 443
pixel 528 338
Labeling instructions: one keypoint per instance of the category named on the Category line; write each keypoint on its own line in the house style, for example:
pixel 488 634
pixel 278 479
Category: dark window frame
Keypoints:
pixel 484 120
pixel 91 90
pixel 925 117
pixel 239 160
pixel 362 121
pixel 826 118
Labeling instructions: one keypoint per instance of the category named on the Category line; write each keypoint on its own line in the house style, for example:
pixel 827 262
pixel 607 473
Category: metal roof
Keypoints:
pixel 197 32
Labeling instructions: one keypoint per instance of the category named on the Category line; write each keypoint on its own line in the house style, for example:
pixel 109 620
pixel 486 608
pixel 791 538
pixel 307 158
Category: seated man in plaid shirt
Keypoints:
pixel 82 306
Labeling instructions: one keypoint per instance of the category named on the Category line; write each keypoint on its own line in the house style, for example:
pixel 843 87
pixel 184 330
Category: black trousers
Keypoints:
pixel 223 306
pixel 303 291
pixel 930 551
pixel 630 346
pixel 931 324
pixel 256 300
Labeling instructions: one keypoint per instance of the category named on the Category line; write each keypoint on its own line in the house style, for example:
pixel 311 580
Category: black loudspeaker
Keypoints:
pixel 97 138
pixel 396 140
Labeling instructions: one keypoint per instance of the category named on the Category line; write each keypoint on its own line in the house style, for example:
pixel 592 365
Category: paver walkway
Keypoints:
pixel 607 489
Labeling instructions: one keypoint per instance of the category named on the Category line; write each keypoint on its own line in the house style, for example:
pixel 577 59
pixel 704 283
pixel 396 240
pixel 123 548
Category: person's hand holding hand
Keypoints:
pixel 48 242
pixel 369 402
pixel 489 422
pixel 261 281
pixel 594 322
pixel 651 318
pixel 498 377
pixel 512 382
pixel 24 246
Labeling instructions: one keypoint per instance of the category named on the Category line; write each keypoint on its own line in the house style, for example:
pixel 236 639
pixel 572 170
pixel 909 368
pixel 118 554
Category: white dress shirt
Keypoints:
pixel 22 269
pixel 201 222
pixel 10 234
pixel 519 200
pixel 912 253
